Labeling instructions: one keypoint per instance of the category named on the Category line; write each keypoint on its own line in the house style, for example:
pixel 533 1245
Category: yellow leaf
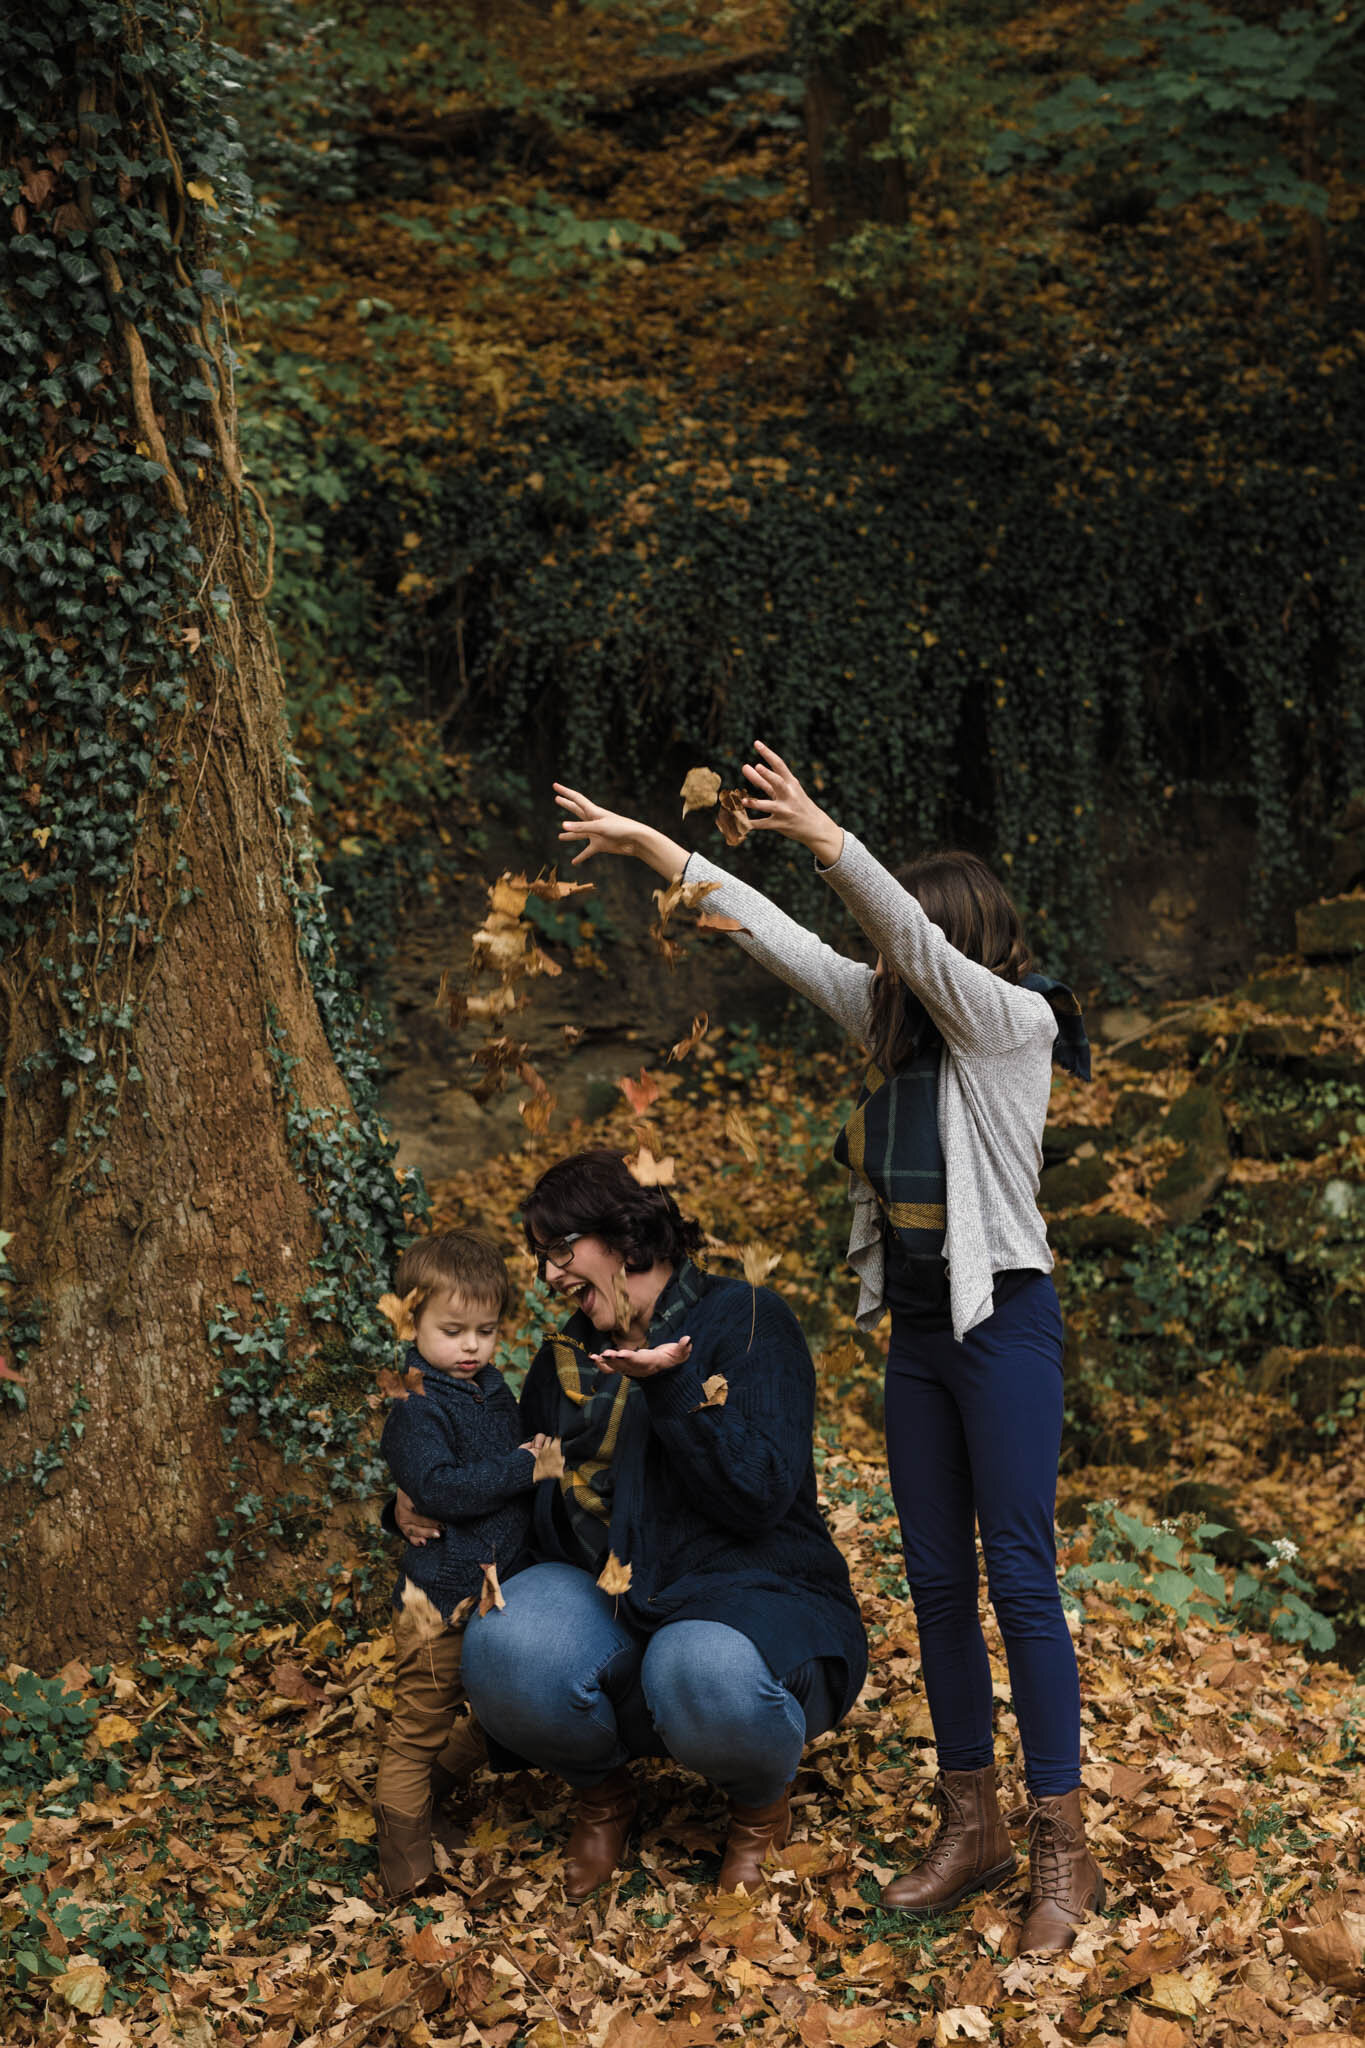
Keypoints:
pixel 200 189
pixel 759 1262
pixel 1169 1990
pixel 649 1171
pixel 614 1576
pixel 82 1987
pixel 701 787
pixel 114 1728
pixel 738 1128
pixel 353 1823
pixel 399 1313
pixel 42 833
pixel 491 1595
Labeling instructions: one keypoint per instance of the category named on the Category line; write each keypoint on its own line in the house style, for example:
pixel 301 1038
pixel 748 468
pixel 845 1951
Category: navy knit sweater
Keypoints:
pixel 715 1509
pixel 454 1448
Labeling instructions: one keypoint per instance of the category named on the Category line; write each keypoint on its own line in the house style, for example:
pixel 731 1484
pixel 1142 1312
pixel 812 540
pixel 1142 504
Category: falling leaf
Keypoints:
pixel 200 189
pixel 491 1593
pixel 717 921
pixel 82 1987
pixel 701 787
pixel 758 1262
pixel 572 1034
pixel 623 1308
pixel 397 1386
pixel 399 1313
pixel 536 1111
pixel 550 1460
pixel 701 1024
pixel 614 1576
pixel 639 1093
pixel 551 890
pixel 733 820
pixel 716 1391
pixel 681 895
pixel 649 1171
pixel 507 897
pixel 738 1128
pixel 423 1617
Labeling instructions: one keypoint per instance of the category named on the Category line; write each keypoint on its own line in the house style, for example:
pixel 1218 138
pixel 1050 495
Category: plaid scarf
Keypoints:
pixel 891 1141
pixel 597 1412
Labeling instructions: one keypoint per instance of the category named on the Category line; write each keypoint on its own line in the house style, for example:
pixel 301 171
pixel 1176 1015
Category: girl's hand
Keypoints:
pixel 536 1444
pixel 642 1365
pixel 417 1527
pixel 609 832
pixel 783 806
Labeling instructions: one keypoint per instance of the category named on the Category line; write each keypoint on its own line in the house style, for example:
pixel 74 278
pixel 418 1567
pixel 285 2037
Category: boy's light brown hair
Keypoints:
pixel 467 1263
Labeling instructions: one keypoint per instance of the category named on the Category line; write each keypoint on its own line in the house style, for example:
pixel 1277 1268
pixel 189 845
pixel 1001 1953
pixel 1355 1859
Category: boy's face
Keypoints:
pixel 456 1335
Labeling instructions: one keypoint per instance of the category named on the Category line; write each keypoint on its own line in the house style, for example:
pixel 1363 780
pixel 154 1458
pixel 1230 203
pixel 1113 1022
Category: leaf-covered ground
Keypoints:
pixel 190 1855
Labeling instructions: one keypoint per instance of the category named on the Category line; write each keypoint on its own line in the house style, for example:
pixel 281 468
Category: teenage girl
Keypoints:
pixel 943 1151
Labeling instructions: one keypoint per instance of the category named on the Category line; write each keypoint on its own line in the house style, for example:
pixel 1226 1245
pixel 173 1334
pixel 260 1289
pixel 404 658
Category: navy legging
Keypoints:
pixel 973 1432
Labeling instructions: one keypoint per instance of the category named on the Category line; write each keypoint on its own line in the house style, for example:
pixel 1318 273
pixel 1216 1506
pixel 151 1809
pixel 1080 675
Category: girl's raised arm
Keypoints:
pixel 836 985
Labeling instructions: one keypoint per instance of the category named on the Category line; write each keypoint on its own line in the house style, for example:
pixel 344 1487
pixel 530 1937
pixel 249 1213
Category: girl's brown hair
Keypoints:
pixel 973 910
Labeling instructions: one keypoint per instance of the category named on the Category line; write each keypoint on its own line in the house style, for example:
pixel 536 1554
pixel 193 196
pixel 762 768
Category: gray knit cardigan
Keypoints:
pixel 994 1078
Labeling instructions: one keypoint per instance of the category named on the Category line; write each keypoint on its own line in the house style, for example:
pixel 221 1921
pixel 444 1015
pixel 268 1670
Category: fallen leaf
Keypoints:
pixel 1168 1989
pixel 114 1728
pixel 961 2023
pixel 1333 1951
pixel 291 1682
pixel 1145 2030
pixel 82 1987
pixel 551 890
pixel 491 1594
pixel 701 787
pixel 614 1576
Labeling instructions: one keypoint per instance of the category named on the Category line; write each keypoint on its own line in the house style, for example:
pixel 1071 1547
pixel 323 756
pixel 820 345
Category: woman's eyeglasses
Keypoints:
pixel 559 1252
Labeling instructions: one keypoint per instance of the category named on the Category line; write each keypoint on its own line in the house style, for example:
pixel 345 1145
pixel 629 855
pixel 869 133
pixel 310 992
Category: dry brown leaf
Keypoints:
pixel 551 890
pixel 717 921
pixel 536 1111
pixel 507 897
pixel 641 1092
pixel 550 1460
pixel 614 1576
pixel 701 787
pixel 733 820
pixel 423 1617
pixel 1145 2030
pixel 622 1306
pixel 649 1171
pixel 82 1986
pixel 490 1595
pixel 399 1313
pixel 737 1127
pixel 758 1262
pixel 701 1024
pixel 397 1386
pixel 716 1391
pixel 680 894
pixel 572 1034
pixel 1333 1952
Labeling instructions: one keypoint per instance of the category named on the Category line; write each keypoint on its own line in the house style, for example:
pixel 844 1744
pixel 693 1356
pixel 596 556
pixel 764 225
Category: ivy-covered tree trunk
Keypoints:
pixel 855 173
pixel 166 1072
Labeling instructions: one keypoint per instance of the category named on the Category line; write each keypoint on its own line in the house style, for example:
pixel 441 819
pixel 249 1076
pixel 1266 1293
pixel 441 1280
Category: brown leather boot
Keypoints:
pixel 1064 1880
pixel 754 1830
pixel 970 1853
pixel 465 1750
pixel 598 1840
pixel 406 1863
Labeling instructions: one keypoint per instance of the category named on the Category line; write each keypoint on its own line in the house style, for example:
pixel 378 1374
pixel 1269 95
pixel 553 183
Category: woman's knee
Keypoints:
pixel 710 1692
pixel 555 1632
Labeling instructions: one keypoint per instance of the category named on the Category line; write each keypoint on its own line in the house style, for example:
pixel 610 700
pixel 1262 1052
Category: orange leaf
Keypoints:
pixel 399 1386
pixel 491 1595
pixel 639 1094
pixel 399 1313
pixel 716 921
pixel 758 1262
pixel 732 818
pixel 614 1576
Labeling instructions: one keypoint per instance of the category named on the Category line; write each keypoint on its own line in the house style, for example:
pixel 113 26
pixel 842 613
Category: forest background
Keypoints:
pixel 965 400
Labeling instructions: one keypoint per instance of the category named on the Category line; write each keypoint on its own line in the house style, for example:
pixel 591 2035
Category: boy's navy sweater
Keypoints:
pixel 714 1508
pixel 454 1448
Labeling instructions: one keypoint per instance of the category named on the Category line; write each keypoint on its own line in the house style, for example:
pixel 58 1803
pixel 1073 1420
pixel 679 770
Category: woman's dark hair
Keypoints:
pixel 596 1194
pixel 973 910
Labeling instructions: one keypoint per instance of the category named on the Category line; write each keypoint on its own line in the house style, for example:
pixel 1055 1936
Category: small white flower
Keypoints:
pixel 1282 1550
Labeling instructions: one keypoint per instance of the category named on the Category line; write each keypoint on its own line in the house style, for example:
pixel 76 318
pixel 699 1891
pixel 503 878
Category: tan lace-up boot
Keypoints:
pixel 1064 1880
pixel 406 1862
pixel 970 1853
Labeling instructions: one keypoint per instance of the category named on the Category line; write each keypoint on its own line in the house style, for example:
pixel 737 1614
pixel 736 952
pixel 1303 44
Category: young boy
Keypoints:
pixel 454 1447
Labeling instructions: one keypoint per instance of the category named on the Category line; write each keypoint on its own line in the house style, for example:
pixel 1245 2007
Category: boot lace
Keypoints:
pixel 1050 1844
pixel 948 1812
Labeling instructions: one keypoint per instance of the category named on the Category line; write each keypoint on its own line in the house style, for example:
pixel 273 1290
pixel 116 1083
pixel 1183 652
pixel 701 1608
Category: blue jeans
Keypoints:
pixel 973 1433
pixel 555 1677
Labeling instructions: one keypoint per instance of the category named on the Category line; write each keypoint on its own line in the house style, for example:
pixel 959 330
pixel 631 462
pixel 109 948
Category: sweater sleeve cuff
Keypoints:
pixel 836 867
pixel 674 1394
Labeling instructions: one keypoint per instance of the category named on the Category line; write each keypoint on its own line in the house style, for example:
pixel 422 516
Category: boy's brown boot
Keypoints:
pixel 754 1830
pixel 464 1753
pixel 406 1862
pixel 970 1853
pixel 1064 1880
pixel 600 1829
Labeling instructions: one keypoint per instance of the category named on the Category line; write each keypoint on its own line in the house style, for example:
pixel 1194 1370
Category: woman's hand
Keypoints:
pixel 784 807
pixel 417 1527
pixel 536 1444
pixel 609 832
pixel 642 1365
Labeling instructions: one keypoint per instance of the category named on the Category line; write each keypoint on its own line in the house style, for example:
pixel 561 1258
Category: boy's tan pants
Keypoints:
pixel 426 1692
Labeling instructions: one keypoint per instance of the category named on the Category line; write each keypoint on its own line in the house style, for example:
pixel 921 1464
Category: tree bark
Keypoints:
pixel 193 1179
pixel 847 115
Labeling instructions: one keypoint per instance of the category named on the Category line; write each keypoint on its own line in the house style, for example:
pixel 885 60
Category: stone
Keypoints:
pixel 1103 1232
pixel 1316 1381
pixel 1288 1133
pixel 1063 1141
pixel 1134 1108
pixel 1194 1177
pixel 1333 928
pixel 1083 1177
